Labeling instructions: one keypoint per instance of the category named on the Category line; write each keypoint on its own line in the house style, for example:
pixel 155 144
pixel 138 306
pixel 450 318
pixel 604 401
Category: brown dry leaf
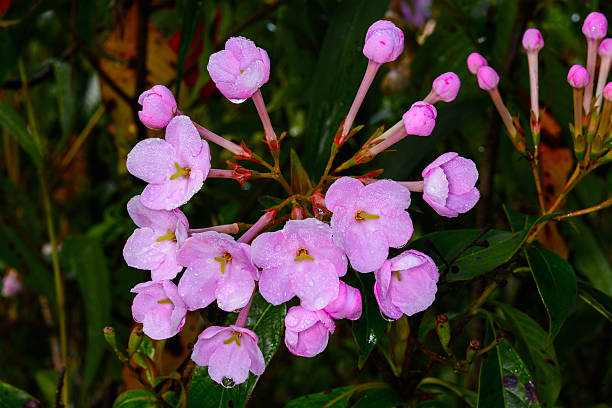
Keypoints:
pixel 121 44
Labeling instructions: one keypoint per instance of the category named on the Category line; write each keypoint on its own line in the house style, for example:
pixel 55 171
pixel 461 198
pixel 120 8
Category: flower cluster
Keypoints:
pixel 356 221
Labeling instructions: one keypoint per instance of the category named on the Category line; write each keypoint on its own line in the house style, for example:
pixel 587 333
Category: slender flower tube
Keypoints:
pixel 262 111
pixel 384 42
pixel 533 43
pixel 223 142
pixel 594 29
pixel 223 229
pixel 578 78
pixel 605 53
pixel 240 174
pixel 444 88
pixel 252 232
pixel 475 61
pixel 415 186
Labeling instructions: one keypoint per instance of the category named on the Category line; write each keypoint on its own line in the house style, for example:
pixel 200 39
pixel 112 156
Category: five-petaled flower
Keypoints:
pixel 159 308
pixel 175 168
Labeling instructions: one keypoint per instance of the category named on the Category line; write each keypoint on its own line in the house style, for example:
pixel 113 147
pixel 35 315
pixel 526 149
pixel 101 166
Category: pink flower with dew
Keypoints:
pixel 159 308
pixel 347 304
pixel 448 185
pixel 595 26
pixel 475 61
pixel 607 92
pixel 154 244
pixel 487 78
pixel 420 119
pixel 11 284
pixel 532 40
pixel 299 260
pixel 384 42
pixel 406 284
pixel 218 268
pixel 367 220
pixel 306 331
pixel 444 88
pixel 230 353
pixel 174 167
pixel 578 77
pixel 158 107
pixel 240 69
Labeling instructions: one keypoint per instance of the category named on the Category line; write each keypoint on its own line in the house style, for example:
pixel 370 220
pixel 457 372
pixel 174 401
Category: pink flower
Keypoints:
pixel 153 245
pixel 11 284
pixel 595 26
pixel 347 304
pixel 301 259
pixel 475 61
pixel 307 332
pixel 384 42
pixel 230 353
pixel 532 40
pixel 367 220
pixel 578 77
pixel 175 168
pixel 217 268
pixel 607 92
pixel 605 48
pixel 420 119
pixel 240 69
pixel 406 284
pixel 158 107
pixel 448 184
pixel 487 78
pixel 445 88
pixel 159 308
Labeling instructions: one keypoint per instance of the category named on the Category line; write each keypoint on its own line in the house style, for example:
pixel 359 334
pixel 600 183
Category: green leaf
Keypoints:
pixel 556 282
pixel 136 399
pixel 64 98
pixel 86 257
pixel 47 381
pixel 596 299
pixel 379 398
pixel 16 127
pixel 371 324
pixel 300 182
pixel 490 385
pixel 531 342
pixel 11 397
pixel 518 221
pixel 337 76
pixel 191 12
pixel 336 398
pixel 268 322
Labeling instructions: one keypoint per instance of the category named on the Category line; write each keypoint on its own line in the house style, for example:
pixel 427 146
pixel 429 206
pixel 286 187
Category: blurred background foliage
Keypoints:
pixel 72 71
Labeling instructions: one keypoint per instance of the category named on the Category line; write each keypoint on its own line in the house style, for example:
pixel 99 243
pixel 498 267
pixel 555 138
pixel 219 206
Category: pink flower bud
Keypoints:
pixel 475 61
pixel 347 304
pixel 384 42
pixel 532 40
pixel 605 48
pixel 420 119
pixel 240 69
pixel 607 92
pixel 446 87
pixel 595 26
pixel 578 77
pixel 11 285
pixel 487 78
pixel 158 107
pixel 307 332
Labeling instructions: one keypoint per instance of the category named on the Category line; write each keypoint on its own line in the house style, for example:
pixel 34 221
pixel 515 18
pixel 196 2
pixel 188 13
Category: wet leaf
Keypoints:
pixel 11 397
pixel 136 399
pixel 336 398
pixel 596 299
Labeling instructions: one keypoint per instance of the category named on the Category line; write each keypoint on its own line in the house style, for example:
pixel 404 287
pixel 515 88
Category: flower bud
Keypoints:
pixel 110 337
pixel 135 339
pixel 605 48
pixel 446 86
pixel 578 77
pixel 158 107
pixel 475 61
pixel 487 78
pixel 307 332
pixel 595 26
pixel 532 40
pixel 420 119
pixel 11 284
pixel 240 69
pixel 472 350
pixel 347 304
pixel 443 330
pixel 384 42
pixel 607 92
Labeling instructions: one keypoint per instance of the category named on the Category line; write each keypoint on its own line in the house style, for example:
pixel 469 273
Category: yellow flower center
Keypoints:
pixel 227 257
pixel 397 275
pixel 235 337
pixel 169 235
pixel 164 301
pixel 180 171
pixel 302 254
pixel 362 215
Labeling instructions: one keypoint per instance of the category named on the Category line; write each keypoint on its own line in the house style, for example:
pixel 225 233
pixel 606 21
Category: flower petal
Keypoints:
pixel 234 288
pixel 275 285
pixel 439 161
pixel 152 160
pixel 461 174
pixel 384 195
pixel 316 283
pixel 343 192
pixel 198 285
pixel 231 361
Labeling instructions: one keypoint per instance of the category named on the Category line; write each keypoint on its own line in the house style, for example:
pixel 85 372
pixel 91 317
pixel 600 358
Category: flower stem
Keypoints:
pixel 265 120
pixel 416 186
pixel 591 62
pixel 503 112
pixel 244 312
pixel 594 208
pixel 221 141
pixel 368 77
pixel 264 220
